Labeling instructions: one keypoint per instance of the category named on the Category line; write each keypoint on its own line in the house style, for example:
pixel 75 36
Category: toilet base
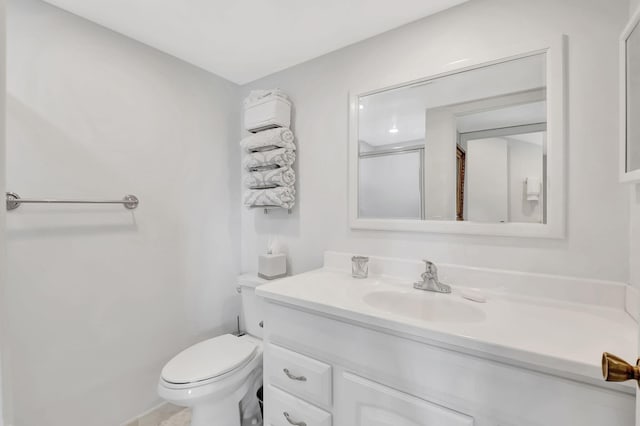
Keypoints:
pixel 218 408
pixel 219 413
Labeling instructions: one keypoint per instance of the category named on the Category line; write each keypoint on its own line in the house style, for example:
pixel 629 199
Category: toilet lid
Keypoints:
pixel 208 359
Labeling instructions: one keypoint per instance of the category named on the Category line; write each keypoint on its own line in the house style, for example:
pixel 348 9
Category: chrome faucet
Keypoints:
pixel 430 280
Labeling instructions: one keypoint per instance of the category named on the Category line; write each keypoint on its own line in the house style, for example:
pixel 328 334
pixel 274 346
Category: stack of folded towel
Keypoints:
pixel 268 161
pixel 257 95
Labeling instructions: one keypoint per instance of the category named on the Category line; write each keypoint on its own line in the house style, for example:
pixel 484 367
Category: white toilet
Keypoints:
pixel 218 378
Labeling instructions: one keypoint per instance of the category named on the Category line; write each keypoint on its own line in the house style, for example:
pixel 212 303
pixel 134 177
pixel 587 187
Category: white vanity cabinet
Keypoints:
pixel 366 403
pixel 324 370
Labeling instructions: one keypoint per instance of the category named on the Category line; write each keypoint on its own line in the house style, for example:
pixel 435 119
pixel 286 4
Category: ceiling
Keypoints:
pixel 243 40
pixel 512 115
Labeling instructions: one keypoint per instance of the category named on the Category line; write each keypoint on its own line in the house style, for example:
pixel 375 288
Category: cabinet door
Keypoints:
pixel 365 403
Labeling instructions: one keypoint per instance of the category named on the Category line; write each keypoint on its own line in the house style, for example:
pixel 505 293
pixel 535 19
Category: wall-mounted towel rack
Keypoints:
pixel 269 208
pixel 14 201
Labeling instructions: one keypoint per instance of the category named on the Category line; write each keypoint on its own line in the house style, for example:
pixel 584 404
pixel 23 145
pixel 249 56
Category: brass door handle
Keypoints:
pixel 615 369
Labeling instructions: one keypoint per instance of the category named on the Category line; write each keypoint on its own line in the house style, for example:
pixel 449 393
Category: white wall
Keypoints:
pixel 634 254
pixel 440 180
pixel 100 298
pixel 487 178
pixel 634 233
pixel 525 160
pixel 3 245
pixel 634 228
pixel 598 216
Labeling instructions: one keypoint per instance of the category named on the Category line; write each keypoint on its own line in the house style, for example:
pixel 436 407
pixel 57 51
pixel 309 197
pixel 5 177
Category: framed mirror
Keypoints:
pixel 478 150
pixel 630 101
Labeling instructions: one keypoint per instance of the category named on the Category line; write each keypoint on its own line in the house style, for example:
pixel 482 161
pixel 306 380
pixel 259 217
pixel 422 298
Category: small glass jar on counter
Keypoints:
pixel 359 267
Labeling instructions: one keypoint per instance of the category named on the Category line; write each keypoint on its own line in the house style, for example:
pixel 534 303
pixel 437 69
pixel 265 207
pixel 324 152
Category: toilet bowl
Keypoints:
pixel 218 378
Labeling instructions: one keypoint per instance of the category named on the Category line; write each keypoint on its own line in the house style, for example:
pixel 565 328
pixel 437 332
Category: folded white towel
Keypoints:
pixel 266 160
pixel 284 176
pixel 256 95
pixel 280 137
pixel 282 196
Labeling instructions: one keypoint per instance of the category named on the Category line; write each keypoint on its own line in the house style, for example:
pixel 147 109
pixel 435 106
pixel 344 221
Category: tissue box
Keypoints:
pixel 272 266
pixel 266 113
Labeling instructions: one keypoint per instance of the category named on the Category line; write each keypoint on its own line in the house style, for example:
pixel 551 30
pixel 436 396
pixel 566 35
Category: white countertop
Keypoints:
pixel 561 338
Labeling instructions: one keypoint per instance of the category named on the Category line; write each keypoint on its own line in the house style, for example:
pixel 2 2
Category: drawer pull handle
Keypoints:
pixel 292 377
pixel 291 421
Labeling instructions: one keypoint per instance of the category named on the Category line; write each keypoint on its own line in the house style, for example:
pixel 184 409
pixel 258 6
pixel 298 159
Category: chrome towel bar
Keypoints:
pixel 14 201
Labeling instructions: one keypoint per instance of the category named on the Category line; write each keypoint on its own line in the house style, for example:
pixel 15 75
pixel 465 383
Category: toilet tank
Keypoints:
pixel 252 311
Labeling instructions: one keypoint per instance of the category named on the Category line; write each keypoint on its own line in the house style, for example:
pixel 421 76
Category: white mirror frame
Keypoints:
pixel 632 176
pixel 556 170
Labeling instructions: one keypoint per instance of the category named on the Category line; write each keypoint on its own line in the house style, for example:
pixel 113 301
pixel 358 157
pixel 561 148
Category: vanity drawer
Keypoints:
pixel 283 409
pixel 298 374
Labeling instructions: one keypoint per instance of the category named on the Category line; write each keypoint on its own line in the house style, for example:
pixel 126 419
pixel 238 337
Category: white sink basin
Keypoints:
pixel 424 306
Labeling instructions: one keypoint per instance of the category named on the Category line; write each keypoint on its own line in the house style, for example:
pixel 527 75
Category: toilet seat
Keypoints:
pixel 209 361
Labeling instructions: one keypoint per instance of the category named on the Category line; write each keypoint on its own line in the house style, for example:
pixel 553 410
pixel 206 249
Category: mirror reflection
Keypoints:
pixel 633 99
pixel 469 146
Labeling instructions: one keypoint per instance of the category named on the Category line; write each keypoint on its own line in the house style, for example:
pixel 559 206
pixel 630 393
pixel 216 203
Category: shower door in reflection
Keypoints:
pixel 391 183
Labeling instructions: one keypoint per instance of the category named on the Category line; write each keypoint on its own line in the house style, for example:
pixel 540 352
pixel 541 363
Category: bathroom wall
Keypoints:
pixel 101 297
pixel 525 160
pixel 597 243
pixel 3 246
pixel 487 180
pixel 440 165
pixel 634 192
pixel 496 172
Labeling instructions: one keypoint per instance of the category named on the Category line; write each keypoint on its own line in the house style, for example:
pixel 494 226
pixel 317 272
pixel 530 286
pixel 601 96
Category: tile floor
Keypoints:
pixel 181 418
pixel 164 415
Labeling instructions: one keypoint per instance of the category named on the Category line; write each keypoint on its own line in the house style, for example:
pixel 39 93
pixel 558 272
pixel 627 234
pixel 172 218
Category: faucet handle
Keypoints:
pixel 431 270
